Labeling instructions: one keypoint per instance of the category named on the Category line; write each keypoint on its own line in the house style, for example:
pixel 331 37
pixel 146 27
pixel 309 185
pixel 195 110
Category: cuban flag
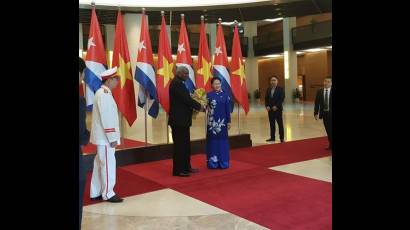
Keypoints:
pixel 145 73
pixel 95 61
pixel 184 56
pixel 220 66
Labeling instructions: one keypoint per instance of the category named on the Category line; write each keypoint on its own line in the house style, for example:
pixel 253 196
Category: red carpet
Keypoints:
pixel 127 184
pixel 91 148
pixel 161 171
pixel 283 153
pixel 270 198
pixel 248 189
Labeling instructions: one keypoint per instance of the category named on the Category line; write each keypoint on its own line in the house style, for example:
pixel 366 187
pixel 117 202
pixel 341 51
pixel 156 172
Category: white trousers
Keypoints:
pixel 103 178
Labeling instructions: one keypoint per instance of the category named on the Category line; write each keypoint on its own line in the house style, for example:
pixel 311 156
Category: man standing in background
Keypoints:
pixel 323 107
pixel 273 102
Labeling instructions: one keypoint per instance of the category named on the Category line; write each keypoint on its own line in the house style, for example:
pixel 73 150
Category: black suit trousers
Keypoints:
pixel 327 121
pixel 278 117
pixel 182 149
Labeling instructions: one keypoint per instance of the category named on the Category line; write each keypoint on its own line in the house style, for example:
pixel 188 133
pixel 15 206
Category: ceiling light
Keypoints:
pixel 314 50
pixel 273 19
pixel 272 56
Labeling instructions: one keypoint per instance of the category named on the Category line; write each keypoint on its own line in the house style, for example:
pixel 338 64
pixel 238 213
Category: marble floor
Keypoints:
pixel 320 169
pixel 299 123
pixel 162 209
pixel 169 209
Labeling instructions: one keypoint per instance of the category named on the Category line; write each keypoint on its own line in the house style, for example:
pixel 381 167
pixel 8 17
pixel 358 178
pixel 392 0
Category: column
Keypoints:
pixel 290 59
pixel 109 36
pixel 251 62
pixel 80 38
pixel 211 30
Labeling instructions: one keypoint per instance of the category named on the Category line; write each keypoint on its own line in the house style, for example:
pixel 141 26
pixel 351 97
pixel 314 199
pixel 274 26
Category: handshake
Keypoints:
pixel 199 96
pixel 203 107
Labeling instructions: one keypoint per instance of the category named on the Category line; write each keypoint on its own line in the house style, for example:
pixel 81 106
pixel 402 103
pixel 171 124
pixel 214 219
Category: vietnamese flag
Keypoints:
pixel 204 67
pixel 165 72
pixel 238 81
pixel 123 94
pixel 184 55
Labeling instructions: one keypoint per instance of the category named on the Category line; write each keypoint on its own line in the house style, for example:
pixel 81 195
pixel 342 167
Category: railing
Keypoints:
pixel 268 44
pixel 317 34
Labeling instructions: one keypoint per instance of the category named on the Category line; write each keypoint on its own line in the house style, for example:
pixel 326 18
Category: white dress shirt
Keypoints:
pixel 328 95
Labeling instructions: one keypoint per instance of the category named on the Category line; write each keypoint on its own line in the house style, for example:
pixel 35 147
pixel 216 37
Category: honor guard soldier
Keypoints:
pixel 105 134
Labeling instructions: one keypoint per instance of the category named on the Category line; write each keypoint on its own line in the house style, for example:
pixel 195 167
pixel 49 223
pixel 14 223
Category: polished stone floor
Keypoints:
pixel 169 209
pixel 299 123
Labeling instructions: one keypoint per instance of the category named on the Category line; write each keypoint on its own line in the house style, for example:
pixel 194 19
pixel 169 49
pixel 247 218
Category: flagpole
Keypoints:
pixel 170 43
pixel 206 121
pixel 239 130
pixel 167 130
pixel 145 116
pixel 121 129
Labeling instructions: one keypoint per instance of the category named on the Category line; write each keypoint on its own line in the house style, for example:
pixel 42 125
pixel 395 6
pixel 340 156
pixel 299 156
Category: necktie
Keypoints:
pixel 326 104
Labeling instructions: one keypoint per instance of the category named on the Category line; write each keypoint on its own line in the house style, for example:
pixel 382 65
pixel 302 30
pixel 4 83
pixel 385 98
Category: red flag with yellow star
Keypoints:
pixel 204 67
pixel 123 94
pixel 165 72
pixel 238 81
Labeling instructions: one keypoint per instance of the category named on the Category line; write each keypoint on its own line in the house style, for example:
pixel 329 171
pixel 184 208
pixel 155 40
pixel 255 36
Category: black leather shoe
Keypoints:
pixel 281 141
pixel 115 199
pixel 182 174
pixel 270 139
pixel 97 198
pixel 192 170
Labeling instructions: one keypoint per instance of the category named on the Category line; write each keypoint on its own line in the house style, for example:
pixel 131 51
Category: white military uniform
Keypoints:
pixel 104 130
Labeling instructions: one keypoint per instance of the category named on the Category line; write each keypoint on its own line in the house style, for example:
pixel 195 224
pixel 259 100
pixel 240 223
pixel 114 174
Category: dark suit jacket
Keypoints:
pixel 319 103
pixel 84 133
pixel 181 104
pixel 276 100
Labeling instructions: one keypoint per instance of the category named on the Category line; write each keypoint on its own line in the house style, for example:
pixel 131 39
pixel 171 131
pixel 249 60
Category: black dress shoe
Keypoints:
pixel 115 199
pixel 281 141
pixel 97 198
pixel 270 139
pixel 182 174
pixel 192 170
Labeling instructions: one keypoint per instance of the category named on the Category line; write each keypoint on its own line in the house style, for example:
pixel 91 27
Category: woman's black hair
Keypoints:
pixel 214 79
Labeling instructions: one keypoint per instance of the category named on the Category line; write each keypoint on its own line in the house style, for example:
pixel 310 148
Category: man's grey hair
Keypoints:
pixel 180 70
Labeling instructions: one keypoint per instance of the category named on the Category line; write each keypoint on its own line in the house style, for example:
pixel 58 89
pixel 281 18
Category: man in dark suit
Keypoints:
pixel 84 137
pixel 180 120
pixel 273 102
pixel 323 108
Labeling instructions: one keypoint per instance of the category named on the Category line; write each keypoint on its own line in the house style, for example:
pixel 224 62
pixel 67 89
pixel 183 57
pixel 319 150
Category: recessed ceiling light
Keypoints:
pixel 315 50
pixel 272 56
pixel 272 19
